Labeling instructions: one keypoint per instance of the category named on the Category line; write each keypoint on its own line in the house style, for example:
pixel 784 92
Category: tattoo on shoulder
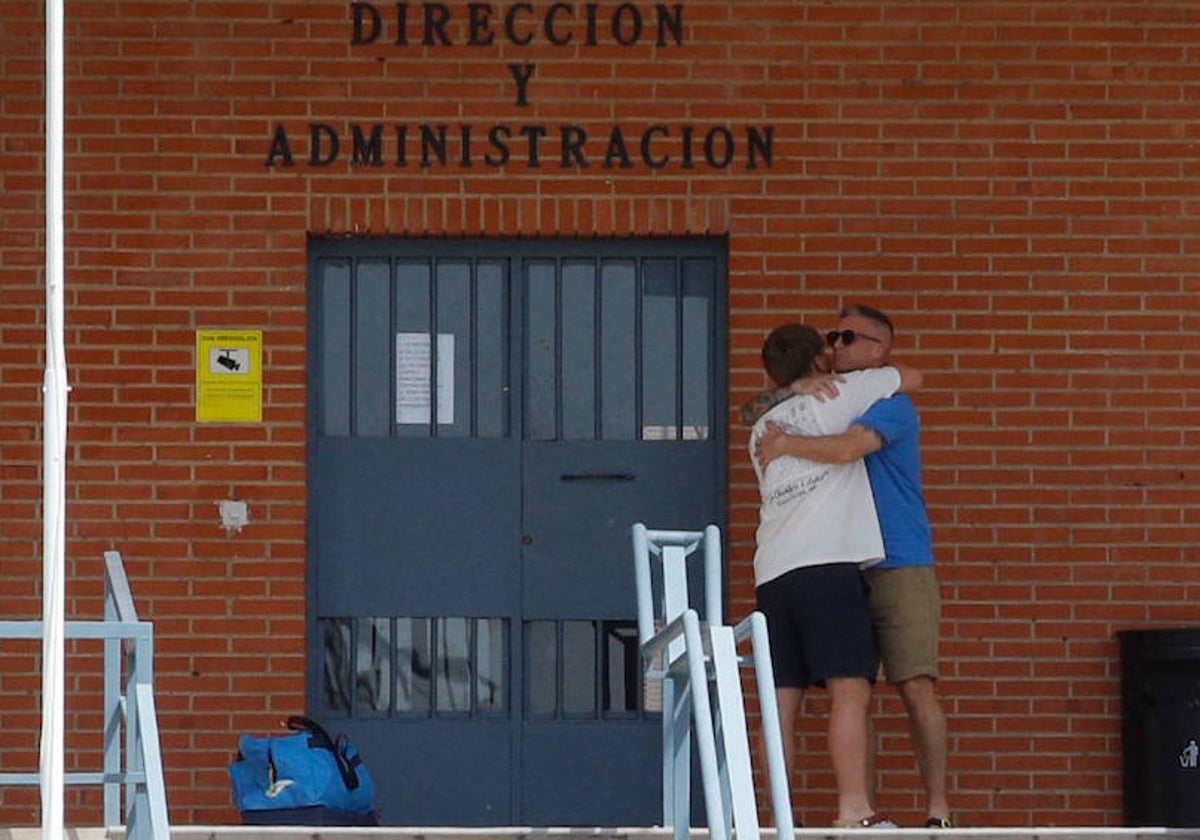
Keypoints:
pixel 761 403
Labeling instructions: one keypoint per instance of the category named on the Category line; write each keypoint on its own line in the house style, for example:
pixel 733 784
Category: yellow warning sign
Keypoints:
pixel 228 376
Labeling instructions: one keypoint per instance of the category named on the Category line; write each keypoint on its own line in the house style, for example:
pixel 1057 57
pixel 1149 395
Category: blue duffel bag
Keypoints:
pixel 306 778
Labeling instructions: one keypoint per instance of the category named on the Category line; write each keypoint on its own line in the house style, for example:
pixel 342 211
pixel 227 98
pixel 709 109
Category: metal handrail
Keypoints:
pixel 688 655
pixel 128 706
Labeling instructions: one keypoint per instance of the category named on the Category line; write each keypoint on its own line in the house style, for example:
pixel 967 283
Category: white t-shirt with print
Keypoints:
pixel 814 513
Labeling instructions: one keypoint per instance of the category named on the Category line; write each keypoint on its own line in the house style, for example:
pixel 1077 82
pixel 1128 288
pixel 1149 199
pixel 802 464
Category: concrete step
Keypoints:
pixel 519 833
pixel 238 832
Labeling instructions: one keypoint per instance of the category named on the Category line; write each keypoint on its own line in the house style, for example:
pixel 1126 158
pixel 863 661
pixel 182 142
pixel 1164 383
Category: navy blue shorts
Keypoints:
pixel 820 625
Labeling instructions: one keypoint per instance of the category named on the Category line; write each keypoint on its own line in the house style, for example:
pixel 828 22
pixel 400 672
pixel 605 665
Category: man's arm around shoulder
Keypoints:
pixel 911 379
pixel 822 386
pixel 854 443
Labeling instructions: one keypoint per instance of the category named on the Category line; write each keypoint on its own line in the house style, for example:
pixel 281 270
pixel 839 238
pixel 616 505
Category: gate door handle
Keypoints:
pixel 597 477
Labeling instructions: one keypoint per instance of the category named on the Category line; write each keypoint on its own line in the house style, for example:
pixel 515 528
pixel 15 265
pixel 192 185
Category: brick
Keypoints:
pixel 1012 181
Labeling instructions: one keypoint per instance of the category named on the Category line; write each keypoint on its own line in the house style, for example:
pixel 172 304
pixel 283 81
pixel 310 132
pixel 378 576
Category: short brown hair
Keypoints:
pixel 871 314
pixel 789 351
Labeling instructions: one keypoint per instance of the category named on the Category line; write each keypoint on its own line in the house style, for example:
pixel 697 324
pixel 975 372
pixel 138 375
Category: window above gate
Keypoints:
pixel 414 348
pixel 598 347
pixel 618 349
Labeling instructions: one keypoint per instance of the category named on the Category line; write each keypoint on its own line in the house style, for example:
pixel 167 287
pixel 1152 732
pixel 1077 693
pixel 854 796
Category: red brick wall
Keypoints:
pixel 1016 183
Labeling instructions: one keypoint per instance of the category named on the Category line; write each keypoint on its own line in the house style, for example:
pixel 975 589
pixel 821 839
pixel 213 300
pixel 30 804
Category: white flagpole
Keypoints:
pixel 54 444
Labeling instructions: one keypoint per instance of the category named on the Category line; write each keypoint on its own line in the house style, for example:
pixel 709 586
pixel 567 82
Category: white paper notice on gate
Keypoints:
pixel 414 364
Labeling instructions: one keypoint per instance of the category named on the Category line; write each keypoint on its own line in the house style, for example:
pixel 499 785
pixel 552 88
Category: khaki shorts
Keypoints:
pixel 906 610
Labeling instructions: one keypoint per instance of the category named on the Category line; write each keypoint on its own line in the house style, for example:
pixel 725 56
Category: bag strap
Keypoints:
pixel 318 737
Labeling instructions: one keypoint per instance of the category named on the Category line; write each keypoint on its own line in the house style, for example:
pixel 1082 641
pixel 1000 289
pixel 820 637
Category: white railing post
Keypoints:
pixel 690 657
pixel 128 688
pixel 112 707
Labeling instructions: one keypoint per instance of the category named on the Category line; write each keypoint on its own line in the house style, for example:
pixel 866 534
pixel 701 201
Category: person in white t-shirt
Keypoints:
pixel 817 527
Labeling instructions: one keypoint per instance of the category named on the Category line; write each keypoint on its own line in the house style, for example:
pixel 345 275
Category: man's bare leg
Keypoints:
pixel 789 700
pixel 927 723
pixel 850 699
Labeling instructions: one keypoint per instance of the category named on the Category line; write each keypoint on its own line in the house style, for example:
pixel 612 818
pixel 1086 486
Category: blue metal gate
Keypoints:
pixel 487 419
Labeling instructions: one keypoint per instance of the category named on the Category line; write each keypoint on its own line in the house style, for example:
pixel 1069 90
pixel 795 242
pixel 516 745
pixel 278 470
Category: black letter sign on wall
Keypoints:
pixel 519 24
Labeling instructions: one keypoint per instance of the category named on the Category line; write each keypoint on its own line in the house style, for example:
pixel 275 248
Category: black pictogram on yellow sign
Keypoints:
pixel 228 376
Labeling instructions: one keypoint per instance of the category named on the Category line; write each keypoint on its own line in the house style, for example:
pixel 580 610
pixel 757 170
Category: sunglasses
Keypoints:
pixel 847 337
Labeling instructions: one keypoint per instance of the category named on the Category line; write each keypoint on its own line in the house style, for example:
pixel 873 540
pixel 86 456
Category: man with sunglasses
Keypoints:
pixel 904 597
pixel 817 525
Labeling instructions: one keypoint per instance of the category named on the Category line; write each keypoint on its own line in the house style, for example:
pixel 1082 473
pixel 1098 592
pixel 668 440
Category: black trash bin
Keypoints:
pixel 1160 726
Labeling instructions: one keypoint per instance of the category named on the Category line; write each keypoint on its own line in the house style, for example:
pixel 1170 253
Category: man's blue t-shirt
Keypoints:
pixel 895 473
